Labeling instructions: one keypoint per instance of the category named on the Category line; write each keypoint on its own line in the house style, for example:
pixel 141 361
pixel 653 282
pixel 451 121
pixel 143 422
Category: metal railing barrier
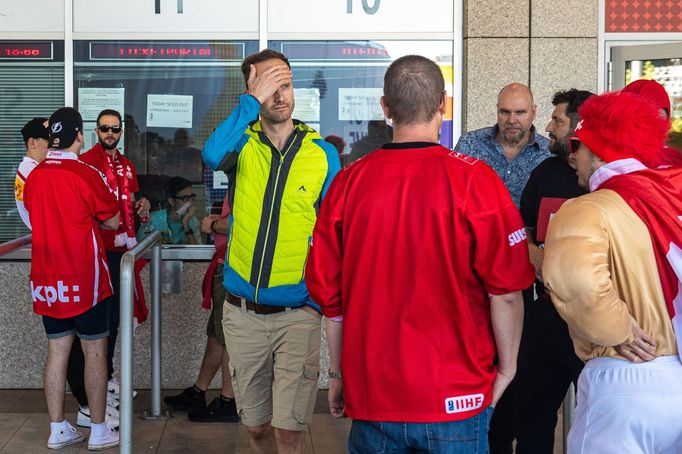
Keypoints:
pixel 11 246
pixel 152 241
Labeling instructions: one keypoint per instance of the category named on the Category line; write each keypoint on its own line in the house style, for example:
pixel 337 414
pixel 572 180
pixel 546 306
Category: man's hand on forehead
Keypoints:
pixel 265 84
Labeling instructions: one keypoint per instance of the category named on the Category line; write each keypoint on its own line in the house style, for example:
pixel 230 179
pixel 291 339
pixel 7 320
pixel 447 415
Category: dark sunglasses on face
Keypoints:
pixel 105 129
pixel 186 198
pixel 574 143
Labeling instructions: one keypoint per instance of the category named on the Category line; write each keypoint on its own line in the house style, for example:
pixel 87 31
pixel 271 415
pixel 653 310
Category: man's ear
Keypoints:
pixel 384 107
pixel 443 107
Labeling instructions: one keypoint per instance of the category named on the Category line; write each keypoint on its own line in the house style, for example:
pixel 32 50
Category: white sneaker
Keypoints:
pixel 111 416
pixel 114 389
pixel 112 401
pixel 65 436
pixel 109 439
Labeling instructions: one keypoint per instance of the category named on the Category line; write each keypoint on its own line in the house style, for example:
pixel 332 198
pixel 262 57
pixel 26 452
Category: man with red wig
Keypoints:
pixel 613 266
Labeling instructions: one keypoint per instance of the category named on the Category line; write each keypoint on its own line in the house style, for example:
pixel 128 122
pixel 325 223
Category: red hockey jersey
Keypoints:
pixel 410 242
pixel 66 199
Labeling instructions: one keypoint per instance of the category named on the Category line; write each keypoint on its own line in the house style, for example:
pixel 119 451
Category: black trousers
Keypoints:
pixel 75 370
pixel 546 367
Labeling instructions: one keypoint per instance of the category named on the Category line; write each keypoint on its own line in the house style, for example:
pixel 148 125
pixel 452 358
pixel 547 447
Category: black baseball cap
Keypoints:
pixel 35 129
pixel 65 124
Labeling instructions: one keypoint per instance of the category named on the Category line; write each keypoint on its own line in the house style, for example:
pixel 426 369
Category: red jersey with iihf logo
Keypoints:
pixel 66 199
pixel 410 242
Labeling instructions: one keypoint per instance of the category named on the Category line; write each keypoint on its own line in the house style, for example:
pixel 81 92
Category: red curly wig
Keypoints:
pixel 622 125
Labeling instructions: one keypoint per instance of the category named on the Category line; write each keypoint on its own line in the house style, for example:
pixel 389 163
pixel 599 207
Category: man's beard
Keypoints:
pixel 561 147
pixel 513 138
pixel 106 146
pixel 277 116
pixel 593 168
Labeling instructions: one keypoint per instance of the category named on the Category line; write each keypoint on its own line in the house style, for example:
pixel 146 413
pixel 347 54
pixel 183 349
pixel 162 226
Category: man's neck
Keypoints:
pixel 34 155
pixel 418 132
pixel 278 133
pixel 111 152
pixel 512 150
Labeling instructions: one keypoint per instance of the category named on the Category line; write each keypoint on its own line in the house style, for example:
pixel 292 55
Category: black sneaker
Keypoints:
pixel 188 400
pixel 218 410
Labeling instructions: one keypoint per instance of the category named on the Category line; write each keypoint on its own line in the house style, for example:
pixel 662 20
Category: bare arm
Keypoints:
pixel 334 337
pixel 213 223
pixel 535 253
pixel 506 313
pixel 111 223
pixel 142 206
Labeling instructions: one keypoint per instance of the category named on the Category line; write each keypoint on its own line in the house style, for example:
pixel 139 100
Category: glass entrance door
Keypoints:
pixel 660 62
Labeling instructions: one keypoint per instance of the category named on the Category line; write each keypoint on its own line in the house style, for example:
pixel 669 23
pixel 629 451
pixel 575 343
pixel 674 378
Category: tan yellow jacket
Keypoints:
pixel 599 268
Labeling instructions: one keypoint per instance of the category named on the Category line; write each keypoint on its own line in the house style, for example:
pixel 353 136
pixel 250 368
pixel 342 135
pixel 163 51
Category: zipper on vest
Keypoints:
pixel 272 209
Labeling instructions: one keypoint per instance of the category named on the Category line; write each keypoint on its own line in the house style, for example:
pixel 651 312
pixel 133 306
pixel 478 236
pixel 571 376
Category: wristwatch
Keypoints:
pixel 213 226
pixel 334 375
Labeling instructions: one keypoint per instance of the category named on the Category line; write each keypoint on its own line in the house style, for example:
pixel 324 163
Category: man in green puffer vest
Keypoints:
pixel 281 169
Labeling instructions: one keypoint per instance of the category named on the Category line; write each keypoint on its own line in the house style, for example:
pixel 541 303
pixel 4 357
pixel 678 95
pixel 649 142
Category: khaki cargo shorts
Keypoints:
pixel 274 363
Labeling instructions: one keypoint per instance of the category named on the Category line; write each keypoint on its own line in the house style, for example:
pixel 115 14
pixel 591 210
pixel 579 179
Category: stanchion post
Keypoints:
pixel 126 334
pixel 126 330
pixel 156 330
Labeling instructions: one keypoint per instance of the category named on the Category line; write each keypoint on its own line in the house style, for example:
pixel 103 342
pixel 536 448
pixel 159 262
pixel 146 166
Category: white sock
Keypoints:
pixel 56 427
pixel 99 430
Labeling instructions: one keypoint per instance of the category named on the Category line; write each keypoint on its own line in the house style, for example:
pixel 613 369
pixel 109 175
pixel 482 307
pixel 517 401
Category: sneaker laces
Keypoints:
pixel 64 431
pixel 113 386
pixel 112 410
pixel 69 427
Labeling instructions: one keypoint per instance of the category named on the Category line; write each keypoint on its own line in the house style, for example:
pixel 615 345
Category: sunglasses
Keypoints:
pixel 105 129
pixel 574 144
pixel 186 198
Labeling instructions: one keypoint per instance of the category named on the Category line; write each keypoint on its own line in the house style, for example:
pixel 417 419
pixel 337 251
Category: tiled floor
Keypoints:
pixel 24 429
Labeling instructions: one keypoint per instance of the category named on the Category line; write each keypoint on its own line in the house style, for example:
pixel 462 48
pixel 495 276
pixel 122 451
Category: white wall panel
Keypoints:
pixel 175 16
pixel 38 16
pixel 360 16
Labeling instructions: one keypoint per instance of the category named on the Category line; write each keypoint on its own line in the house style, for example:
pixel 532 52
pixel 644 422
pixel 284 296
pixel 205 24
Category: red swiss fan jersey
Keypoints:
pixel 97 158
pixel 66 199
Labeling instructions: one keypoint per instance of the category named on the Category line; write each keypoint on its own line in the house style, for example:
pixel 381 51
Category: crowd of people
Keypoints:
pixel 462 290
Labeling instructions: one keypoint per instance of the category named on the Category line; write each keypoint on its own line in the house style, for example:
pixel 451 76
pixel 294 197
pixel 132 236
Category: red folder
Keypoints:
pixel 548 207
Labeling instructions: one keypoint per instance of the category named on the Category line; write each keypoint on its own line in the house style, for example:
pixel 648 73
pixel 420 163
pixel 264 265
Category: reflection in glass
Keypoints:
pixel 172 95
pixel 667 72
pixel 337 86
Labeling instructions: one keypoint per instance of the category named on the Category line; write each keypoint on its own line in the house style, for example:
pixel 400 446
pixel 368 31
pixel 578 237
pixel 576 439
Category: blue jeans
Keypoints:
pixel 469 436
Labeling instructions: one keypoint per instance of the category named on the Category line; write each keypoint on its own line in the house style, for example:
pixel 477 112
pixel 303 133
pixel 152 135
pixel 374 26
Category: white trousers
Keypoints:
pixel 628 408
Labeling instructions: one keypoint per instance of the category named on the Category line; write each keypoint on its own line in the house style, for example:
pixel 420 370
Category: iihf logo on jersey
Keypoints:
pixel 461 404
